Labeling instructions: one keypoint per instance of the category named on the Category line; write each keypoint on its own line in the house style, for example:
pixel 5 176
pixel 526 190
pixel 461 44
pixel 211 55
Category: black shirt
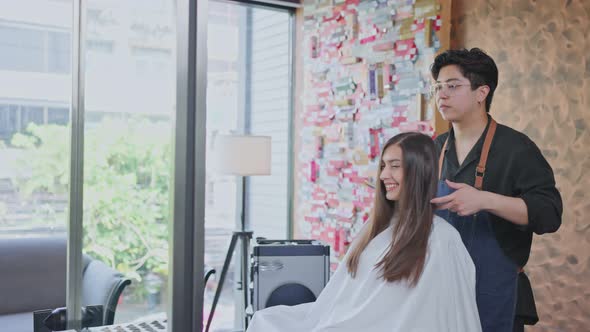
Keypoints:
pixel 515 168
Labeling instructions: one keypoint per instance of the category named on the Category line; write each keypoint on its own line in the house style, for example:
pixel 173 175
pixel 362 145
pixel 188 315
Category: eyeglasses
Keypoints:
pixel 449 89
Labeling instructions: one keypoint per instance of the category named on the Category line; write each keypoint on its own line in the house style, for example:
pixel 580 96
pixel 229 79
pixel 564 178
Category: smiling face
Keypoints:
pixel 392 172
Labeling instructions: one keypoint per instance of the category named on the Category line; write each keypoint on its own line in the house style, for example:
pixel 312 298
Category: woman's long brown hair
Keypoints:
pixel 406 255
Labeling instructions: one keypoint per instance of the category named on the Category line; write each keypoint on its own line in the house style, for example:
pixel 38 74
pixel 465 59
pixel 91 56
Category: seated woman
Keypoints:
pixel 406 271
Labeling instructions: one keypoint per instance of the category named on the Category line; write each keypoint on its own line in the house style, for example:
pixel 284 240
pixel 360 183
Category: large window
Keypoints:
pixel 269 114
pixel 34 158
pixel 130 100
pixel 128 148
pixel 128 140
pixel 248 92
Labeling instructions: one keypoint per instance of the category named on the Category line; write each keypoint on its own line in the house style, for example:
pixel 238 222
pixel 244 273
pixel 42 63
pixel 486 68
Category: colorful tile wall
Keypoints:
pixel 366 66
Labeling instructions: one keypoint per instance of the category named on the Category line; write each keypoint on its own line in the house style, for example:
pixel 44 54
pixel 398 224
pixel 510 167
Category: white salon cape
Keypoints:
pixel 442 301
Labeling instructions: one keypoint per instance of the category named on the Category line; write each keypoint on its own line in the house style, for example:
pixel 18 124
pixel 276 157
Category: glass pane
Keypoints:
pixel 9 124
pixel 58 115
pixel 58 52
pixel 242 80
pixel 130 102
pixel 22 47
pixel 34 163
pixel 31 115
pixel 269 116
pixel 225 99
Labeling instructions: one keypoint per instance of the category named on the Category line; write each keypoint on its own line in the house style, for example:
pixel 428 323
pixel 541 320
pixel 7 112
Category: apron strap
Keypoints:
pixel 480 170
pixel 441 158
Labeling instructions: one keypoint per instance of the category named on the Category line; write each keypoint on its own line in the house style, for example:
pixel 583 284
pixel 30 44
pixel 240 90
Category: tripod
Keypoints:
pixel 241 155
pixel 245 237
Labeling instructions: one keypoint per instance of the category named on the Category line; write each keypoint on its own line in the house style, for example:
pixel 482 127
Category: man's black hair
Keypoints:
pixel 478 67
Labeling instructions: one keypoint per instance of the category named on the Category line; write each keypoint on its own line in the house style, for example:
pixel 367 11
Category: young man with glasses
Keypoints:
pixel 495 187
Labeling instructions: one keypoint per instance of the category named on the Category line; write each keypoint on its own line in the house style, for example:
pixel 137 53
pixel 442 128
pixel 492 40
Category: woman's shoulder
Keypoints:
pixel 443 232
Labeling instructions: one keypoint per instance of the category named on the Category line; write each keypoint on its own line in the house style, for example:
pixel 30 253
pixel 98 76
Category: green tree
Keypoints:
pixel 127 172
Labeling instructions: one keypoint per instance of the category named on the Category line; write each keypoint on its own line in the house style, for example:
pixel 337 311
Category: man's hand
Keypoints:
pixel 465 201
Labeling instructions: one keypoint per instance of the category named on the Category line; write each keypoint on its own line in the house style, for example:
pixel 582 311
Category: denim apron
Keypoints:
pixel 496 274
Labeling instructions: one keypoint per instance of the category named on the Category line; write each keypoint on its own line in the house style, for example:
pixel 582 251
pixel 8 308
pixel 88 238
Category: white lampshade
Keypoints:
pixel 241 155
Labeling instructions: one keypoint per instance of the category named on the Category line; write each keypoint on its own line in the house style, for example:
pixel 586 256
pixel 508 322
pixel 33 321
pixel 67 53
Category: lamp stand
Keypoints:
pixel 244 236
